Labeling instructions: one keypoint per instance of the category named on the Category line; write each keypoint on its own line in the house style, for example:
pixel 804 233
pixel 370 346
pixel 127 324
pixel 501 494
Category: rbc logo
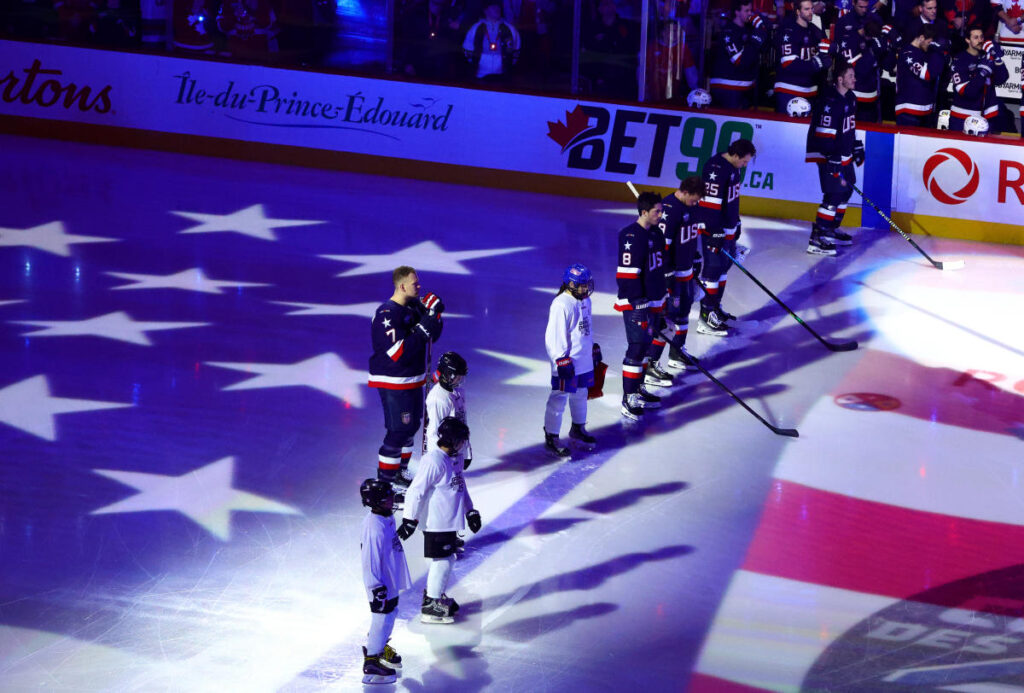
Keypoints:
pixel 941 159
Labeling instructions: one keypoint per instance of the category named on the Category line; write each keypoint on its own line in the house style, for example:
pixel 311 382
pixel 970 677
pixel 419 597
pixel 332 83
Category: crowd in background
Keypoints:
pixel 758 54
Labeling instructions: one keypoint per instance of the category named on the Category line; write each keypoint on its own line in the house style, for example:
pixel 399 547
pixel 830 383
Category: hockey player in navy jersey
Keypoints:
pixel 569 343
pixel 804 57
pixel 641 282
pixel 681 225
pixel 736 58
pixel 832 144
pixel 917 71
pixel 866 49
pixel 721 215
pixel 402 331
pixel 385 574
pixel 977 71
pixel 439 499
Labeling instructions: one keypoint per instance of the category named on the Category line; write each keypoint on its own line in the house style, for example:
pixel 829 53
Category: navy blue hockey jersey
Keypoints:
pixel 639 273
pixel 721 197
pixel 975 78
pixel 833 129
pixel 916 76
pixel 800 62
pixel 681 225
pixel 736 57
pixel 866 56
pixel 400 336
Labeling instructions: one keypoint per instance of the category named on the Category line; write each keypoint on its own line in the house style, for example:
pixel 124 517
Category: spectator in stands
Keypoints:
pixel 671 72
pixel 428 41
pixel 736 58
pixel 929 14
pixel 492 44
pixel 803 54
pixel 610 48
pixel 917 70
pixel 977 71
pixel 251 28
pixel 193 24
pixel 1011 22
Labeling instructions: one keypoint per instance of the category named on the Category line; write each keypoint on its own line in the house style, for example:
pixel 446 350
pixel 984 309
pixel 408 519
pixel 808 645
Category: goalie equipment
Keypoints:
pixel 451 370
pixel 375 493
pixel 452 433
pixel 798 107
pixel 943 121
pixel 975 125
pixel 698 98
pixel 579 281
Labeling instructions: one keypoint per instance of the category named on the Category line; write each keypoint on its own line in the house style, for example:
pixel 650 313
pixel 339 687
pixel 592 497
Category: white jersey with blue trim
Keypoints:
pixel 569 333
pixel 383 556
pixel 440 405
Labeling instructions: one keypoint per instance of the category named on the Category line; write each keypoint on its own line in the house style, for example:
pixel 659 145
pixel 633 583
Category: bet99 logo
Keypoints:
pixel 611 141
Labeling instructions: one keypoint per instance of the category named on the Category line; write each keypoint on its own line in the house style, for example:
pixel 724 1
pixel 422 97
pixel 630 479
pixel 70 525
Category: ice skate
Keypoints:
pixel 436 611
pixel 657 377
pixel 631 408
pixel 374 671
pixel 820 245
pixel 649 401
pixel 453 606
pixel 390 658
pixel 682 362
pixel 554 448
pixel 579 434
pixel 711 323
pixel 402 479
pixel 837 237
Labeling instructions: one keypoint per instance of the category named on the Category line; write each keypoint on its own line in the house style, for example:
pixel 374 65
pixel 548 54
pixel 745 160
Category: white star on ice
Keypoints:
pixel 366 310
pixel 250 221
pixel 7 303
pixel 47 237
pixel 326 372
pixel 425 257
pixel 538 371
pixel 119 326
pixel 204 495
pixel 28 405
pixel 601 302
pixel 186 280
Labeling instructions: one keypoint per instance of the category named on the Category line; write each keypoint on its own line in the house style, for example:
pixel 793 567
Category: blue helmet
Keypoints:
pixel 579 280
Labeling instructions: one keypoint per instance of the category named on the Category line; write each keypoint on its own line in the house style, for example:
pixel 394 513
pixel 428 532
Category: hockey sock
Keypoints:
pixel 656 349
pixel 553 410
pixel 379 632
pixel 578 406
pixel 437 576
pixel 840 212
pixel 632 376
pixel 387 467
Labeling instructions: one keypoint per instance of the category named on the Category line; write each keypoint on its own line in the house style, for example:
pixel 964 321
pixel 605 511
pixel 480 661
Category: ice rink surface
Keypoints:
pixel 184 424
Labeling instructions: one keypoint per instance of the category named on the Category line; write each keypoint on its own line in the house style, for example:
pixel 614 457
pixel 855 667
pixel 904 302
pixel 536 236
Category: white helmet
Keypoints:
pixel 975 125
pixel 943 123
pixel 798 107
pixel 698 98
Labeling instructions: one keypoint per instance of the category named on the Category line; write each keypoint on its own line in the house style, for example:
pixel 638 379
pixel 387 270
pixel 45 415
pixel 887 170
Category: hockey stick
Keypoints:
pixel 831 346
pixel 948 265
pixel 790 432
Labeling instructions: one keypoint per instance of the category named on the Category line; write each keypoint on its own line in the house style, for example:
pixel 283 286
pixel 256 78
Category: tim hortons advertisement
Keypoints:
pixel 959 179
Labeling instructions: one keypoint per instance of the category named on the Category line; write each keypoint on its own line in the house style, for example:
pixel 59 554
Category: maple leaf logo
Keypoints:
pixel 576 123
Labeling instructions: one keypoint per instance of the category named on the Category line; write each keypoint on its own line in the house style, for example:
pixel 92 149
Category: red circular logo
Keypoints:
pixel 965 162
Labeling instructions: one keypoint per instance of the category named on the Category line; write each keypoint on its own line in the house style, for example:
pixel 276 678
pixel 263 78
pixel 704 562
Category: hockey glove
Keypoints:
pixel 824 46
pixel 466 462
pixel 886 29
pixel 473 520
pixel 433 303
pixel 407 528
pixel 858 153
pixel 757 22
pixel 380 596
pixel 566 371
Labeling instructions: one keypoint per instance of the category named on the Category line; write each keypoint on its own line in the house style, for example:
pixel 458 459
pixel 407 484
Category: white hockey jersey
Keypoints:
pixel 440 405
pixel 383 557
pixel 568 333
pixel 437 496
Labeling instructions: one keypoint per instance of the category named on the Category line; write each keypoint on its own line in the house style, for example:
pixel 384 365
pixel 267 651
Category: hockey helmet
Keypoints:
pixel 975 125
pixel 451 369
pixel 452 433
pixel 798 107
pixel 943 121
pixel 375 493
pixel 579 280
pixel 698 98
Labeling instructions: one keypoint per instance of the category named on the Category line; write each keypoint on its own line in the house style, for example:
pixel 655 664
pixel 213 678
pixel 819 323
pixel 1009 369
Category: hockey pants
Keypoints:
pixel 835 193
pixel 679 303
pixel 556 406
pixel 403 411
pixel 713 271
pixel 638 340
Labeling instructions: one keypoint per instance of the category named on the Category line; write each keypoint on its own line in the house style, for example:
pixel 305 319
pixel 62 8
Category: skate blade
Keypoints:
pixel 629 416
pixel 814 250
pixel 659 383
pixel 379 678
pixel 436 619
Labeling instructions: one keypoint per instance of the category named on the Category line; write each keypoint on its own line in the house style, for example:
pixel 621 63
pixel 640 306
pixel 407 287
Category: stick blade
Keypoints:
pixel 788 432
pixel 841 346
pixel 951 265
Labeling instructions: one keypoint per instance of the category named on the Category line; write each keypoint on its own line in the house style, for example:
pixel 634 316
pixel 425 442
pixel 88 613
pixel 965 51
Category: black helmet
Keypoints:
pixel 374 492
pixel 449 367
pixel 452 433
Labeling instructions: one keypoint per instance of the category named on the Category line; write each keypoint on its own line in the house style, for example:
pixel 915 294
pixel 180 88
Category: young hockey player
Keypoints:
pixel 570 347
pixel 438 497
pixel 385 574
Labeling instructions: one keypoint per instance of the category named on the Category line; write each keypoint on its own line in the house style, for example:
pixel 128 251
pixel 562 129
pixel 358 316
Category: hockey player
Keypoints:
pixel 641 282
pixel 832 144
pixel 385 574
pixel 917 70
pixel 721 217
pixel 438 497
pixel 977 71
pixel 736 58
pixel 681 226
pixel 861 44
pixel 402 330
pixel 570 346
pixel 803 57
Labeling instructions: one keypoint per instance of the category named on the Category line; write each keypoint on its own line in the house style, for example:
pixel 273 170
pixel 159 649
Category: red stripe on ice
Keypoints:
pixel 702 683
